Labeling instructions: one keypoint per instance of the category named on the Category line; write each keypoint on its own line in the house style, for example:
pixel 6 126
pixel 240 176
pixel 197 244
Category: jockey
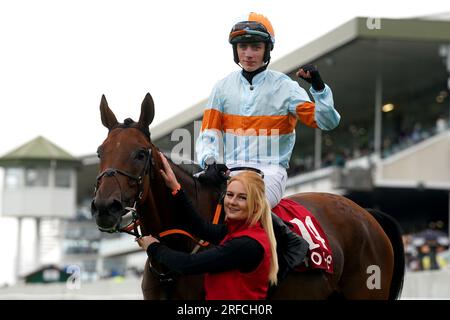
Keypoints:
pixel 251 114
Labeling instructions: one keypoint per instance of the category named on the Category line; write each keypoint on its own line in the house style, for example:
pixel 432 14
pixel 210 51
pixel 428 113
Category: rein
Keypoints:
pixel 201 243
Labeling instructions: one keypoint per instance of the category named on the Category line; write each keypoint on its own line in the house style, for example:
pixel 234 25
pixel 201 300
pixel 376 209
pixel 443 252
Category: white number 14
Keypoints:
pixel 307 231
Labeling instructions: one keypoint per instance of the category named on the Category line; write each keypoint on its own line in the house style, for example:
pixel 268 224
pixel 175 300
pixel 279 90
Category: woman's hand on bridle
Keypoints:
pixel 169 177
pixel 144 242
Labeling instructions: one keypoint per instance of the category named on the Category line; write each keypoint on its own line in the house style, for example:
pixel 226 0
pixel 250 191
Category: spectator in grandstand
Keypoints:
pixel 427 254
pixel 443 257
pixel 430 242
pixel 411 260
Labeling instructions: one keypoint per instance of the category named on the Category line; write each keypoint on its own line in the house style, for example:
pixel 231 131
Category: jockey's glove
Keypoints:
pixel 315 80
pixel 215 173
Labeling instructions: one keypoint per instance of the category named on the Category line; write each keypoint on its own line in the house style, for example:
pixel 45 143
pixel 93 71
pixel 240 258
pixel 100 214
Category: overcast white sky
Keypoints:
pixel 58 57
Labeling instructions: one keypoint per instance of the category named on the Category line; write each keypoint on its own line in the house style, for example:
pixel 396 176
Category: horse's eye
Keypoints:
pixel 140 155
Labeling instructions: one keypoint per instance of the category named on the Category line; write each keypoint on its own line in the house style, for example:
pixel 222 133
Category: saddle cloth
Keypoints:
pixel 303 223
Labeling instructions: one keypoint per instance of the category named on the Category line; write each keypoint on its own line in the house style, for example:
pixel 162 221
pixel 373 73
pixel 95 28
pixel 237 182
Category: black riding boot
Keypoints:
pixel 291 248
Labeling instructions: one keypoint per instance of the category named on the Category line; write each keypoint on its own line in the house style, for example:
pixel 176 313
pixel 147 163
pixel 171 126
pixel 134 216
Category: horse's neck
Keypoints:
pixel 203 197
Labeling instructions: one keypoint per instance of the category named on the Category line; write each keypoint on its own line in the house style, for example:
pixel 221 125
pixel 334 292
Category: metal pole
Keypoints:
pixel 99 267
pixel 317 149
pixel 378 127
pixel 448 85
pixel 19 250
pixel 37 253
pixel 448 126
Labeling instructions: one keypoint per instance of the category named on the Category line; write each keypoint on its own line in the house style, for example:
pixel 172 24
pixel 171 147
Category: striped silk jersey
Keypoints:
pixel 255 123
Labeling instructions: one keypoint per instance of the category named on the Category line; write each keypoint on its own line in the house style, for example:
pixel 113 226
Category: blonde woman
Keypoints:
pixel 243 262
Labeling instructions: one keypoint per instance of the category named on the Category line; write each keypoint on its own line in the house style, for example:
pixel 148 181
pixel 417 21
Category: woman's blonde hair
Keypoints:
pixel 259 210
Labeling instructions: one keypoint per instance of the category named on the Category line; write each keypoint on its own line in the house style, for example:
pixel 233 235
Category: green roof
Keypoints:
pixel 38 150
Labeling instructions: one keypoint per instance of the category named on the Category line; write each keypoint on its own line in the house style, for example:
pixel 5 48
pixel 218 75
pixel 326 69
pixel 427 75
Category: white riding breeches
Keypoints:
pixel 275 178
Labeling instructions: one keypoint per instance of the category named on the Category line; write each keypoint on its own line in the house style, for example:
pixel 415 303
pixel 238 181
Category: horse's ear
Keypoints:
pixel 108 118
pixel 147 111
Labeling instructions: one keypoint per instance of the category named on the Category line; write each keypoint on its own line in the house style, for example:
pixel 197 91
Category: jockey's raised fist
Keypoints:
pixel 310 74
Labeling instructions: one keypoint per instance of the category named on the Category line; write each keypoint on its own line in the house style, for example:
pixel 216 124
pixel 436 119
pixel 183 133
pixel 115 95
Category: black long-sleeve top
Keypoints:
pixel 243 253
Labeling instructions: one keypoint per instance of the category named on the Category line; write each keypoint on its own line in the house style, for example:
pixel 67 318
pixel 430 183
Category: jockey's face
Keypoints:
pixel 235 202
pixel 251 55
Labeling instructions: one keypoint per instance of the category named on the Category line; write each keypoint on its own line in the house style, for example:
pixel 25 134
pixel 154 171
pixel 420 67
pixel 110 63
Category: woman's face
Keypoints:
pixel 235 202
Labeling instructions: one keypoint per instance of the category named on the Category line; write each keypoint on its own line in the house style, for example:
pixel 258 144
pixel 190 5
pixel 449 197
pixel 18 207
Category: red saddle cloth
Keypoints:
pixel 306 225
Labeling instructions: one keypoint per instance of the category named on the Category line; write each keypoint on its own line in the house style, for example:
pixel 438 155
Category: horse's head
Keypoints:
pixel 125 159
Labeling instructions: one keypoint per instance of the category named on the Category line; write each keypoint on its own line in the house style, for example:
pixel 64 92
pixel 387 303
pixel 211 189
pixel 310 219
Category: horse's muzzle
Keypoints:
pixel 107 213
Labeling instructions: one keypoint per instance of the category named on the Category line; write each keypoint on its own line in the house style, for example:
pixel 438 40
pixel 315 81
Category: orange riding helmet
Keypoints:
pixel 253 28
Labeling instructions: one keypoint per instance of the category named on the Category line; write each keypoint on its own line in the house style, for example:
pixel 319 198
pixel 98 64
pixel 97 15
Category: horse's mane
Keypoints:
pixel 186 165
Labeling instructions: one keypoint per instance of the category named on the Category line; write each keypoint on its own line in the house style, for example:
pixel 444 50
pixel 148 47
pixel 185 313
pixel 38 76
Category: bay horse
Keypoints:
pixel 366 244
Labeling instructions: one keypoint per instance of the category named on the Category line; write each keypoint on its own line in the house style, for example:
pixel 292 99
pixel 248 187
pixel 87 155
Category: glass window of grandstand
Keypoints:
pixel 62 178
pixel 36 177
pixel 352 139
pixel 411 120
pixel 14 178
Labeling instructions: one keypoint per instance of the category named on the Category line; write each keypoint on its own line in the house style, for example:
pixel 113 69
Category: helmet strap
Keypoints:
pixel 235 54
pixel 267 52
